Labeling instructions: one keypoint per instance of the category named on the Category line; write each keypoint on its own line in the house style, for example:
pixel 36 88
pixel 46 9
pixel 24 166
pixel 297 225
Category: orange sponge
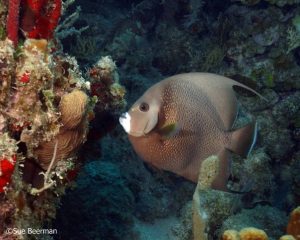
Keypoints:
pixel 249 233
pixel 287 237
pixel 293 227
pixel 230 235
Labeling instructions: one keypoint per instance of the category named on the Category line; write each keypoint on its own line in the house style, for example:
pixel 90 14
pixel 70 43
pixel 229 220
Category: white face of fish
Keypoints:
pixel 125 121
pixel 142 117
pixel 139 120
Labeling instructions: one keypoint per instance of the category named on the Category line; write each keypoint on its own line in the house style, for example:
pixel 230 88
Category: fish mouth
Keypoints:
pixel 124 120
pixel 137 134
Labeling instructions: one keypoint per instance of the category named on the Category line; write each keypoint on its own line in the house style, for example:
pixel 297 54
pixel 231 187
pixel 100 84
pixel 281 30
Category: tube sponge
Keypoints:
pixel 12 26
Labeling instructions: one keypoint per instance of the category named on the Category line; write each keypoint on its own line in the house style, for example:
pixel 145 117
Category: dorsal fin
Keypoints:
pixel 235 83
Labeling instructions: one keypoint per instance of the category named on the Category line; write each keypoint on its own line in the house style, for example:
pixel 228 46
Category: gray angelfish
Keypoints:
pixel 182 120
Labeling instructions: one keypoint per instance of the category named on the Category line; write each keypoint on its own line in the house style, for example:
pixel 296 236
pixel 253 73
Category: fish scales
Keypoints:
pixel 196 141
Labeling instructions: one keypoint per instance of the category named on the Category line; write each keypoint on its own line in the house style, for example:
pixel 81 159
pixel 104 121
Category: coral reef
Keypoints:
pixel 32 123
pixel 254 42
pixel 46 109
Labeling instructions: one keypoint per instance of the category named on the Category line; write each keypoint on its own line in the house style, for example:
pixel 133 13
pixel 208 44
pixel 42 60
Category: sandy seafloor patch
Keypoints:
pixel 160 229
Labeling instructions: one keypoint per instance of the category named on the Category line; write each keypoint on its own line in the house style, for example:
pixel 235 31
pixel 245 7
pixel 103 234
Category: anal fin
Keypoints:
pixel 243 139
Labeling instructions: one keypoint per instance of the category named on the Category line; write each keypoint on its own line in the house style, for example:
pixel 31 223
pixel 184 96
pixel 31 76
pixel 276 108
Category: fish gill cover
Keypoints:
pixel 56 113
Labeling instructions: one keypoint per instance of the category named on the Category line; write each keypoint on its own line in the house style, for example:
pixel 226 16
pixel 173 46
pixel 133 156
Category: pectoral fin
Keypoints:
pixel 169 130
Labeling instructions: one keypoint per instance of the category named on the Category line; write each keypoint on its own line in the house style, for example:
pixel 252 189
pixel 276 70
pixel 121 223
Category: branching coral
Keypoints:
pixel 84 48
pixel 293 39
pixel 66 28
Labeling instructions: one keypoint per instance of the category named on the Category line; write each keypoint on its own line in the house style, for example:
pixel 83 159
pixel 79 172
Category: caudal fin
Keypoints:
pixel 243 139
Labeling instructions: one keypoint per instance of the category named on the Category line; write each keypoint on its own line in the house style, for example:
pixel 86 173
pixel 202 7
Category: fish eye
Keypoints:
pixel 144 107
